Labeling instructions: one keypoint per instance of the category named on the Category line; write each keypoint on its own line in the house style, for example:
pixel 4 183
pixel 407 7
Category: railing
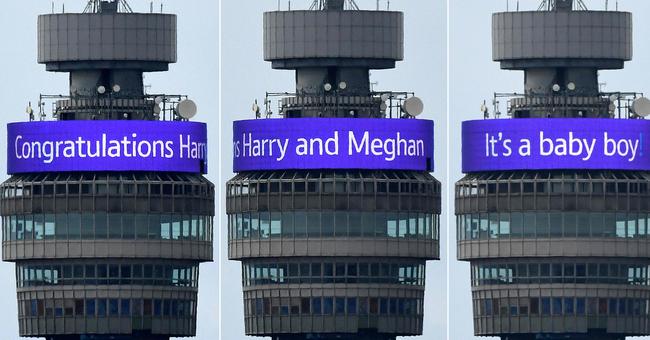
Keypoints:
pixel 389 103
pixel 617 104
pixel 163 107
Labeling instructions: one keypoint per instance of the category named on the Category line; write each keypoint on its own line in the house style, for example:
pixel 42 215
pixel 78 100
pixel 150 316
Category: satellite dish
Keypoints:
pixel 328 87
pixel 385 97
pixel 101 89
pixel 556 88
pixel 613 98
pixel 413 106
pixel 158 100
pixel 571 86
pixel 186 109
pixel 343 85
pixel 641 107
pixel 117 88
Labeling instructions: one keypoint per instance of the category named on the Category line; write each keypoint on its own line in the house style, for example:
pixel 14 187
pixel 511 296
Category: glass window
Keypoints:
pixel 392 224
pixel 341 224
pixel 555 220
pixel 148 227
pixel 90 307
pixel 300 223
pixel 313 224
pixel 504 224
pixel 327 227
pixel 165 227
pixel 114 226
pixel 74 226
pixel 49 227
pixel 352 306
pixel 61 226
pixel 176 227
pixel 356 225
pixel 276 224
pixel 101 225
pixel 287 225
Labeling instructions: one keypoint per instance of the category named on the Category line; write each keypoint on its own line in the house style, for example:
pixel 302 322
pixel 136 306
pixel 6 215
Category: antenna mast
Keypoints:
pixel 320 5
pixel 562 5
pixel 98 6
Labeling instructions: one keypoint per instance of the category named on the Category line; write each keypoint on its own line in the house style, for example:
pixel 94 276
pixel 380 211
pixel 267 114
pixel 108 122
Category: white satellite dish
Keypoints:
pixel 641 107
pixel 117 88
pixel 101 89
pixel 571 86
pixel 556 88
pixel 413 106
pixel 613 98
pixel 328 87
pixel 343 85
pixel 158 100
pixel 186 109
pixel 385 97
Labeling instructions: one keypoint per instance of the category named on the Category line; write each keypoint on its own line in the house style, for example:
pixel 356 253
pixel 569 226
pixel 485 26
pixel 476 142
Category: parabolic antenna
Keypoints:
pixel 413 106
pixel 641 107
pixel 186 109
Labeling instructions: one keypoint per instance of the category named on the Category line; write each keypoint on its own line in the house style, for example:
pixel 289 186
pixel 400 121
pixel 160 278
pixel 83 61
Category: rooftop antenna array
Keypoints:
pixel 98 6
pixel 560 5
pixel 319 5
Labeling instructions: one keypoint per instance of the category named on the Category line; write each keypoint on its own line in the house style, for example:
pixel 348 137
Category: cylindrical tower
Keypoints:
pixel 107 215
pixel 557 237
pixel 334 238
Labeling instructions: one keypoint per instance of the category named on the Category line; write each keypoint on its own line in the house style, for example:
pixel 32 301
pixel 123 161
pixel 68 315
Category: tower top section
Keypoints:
pixel 562 34
pixel 107 35
pixel 329 35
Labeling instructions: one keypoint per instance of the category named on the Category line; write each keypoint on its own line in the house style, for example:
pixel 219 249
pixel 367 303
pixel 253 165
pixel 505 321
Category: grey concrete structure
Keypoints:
pixel 105 255
pixel 319 258
pixel 558 254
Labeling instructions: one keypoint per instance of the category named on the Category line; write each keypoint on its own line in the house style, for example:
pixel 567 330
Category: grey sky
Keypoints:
pixel 247 77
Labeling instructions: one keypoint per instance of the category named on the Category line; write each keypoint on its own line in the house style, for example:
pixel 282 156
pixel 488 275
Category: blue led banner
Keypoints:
pixel 556 143
pixel 60 146
pixel 333 143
